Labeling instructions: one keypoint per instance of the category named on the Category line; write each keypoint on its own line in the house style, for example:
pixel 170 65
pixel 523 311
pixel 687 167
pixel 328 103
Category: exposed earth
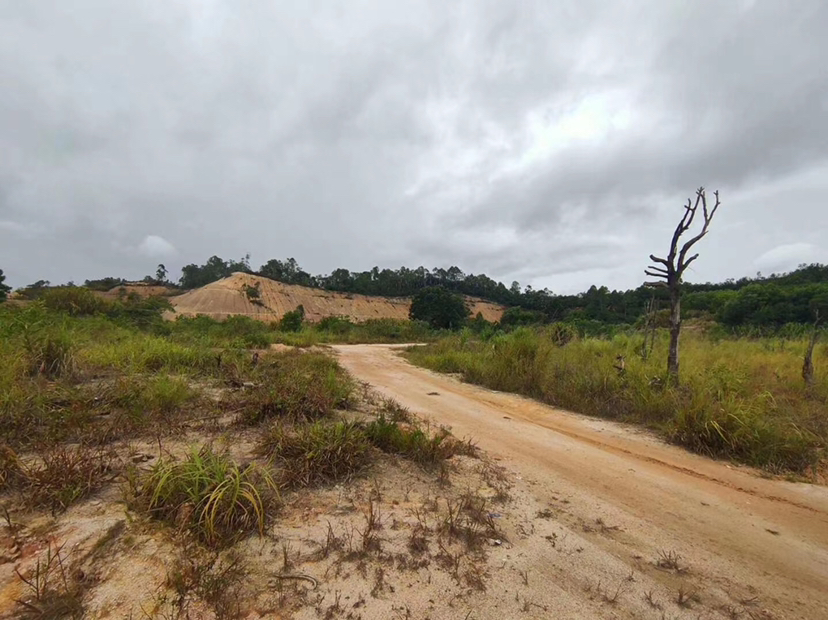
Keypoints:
pixel 227 297
pixel 627 518
pixel 553 515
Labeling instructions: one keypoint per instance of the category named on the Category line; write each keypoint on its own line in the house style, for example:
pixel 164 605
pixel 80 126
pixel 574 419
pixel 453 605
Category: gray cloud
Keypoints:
pixel 552 143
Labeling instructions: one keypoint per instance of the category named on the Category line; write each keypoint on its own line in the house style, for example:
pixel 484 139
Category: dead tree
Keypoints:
pixel 670 270
pixel 808 362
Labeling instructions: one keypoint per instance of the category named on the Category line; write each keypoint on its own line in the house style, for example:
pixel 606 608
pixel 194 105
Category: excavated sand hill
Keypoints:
pixel 227 297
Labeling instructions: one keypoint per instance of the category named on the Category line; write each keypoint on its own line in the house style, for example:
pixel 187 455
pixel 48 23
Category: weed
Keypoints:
pixel 412 442
pixel 298 387
pixel 739 399
pixel 317 453
pixel 685 598
pixel 53 593
pixel 11 471
pixel 651 600
pixel 209 495
pixel 670 560
pixel 216 580
pixel 64 476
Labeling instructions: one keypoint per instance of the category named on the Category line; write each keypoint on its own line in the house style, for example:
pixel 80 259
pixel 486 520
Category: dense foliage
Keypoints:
pixel 439 307
pixel 760 301
pixel 4 290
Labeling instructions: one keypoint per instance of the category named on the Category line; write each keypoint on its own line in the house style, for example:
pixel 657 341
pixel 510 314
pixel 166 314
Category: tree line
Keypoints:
pixel 764 301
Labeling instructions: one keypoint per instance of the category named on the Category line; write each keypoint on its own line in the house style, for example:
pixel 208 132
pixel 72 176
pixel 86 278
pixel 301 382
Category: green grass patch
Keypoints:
pixel 414 443
pixel 741 399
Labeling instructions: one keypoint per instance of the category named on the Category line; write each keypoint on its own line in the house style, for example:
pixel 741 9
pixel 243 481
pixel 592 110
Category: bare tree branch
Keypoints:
pixel 670 274
pixel 708 217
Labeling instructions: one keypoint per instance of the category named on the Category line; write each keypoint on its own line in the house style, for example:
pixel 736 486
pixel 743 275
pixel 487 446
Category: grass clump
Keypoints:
pixel 209 495
pixel 317 453
pixel 64 476
pixel 412 442
pixel 298 387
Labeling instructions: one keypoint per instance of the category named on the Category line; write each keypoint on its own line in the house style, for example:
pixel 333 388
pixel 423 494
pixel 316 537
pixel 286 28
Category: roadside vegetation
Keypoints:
pixel 740 398
pixel 205 433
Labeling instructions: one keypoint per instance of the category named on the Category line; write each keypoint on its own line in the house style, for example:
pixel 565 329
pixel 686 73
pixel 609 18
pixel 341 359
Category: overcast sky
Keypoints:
pixel 551 143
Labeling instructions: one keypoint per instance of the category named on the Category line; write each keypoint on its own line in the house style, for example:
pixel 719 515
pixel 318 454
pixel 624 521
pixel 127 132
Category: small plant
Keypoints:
pixel 686 598
pixel 52 593
pixel 209 495
pixel 216 580
pixel 670 560
pixel 253 294
pixel 317 453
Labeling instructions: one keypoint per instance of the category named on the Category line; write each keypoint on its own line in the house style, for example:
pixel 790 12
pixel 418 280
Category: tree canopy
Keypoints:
pixel 439 307
pixel 4 289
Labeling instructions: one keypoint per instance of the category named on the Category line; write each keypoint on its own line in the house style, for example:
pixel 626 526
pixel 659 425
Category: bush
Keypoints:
pixel 318 453
pixel 209 495
pixel 73 300
pixel 439 307
pixel 4 289
pixel 335 325
pixel 292 321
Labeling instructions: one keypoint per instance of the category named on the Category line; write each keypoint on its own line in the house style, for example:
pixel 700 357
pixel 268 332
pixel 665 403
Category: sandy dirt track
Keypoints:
pixel 750 547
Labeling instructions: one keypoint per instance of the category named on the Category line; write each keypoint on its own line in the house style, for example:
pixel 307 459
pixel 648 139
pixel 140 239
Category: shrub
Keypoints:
pixel 317 453
pixel 209 495
pixel 292 321
pixel 439 307
pixel 73 300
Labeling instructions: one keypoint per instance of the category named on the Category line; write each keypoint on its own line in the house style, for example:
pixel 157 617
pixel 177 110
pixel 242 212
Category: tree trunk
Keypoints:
pixel 808 362
pixel 675 330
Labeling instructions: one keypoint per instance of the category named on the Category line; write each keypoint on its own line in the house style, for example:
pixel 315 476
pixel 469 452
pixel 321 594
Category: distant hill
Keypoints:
pixel 228 297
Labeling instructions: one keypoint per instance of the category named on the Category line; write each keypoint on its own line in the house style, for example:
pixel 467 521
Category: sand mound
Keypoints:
pixel 227 297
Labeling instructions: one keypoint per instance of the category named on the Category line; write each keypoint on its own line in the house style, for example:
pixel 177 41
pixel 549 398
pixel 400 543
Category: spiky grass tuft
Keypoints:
pixel 210 495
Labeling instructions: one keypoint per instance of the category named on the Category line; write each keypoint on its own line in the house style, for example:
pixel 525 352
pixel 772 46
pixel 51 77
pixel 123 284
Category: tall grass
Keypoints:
pixel 740 399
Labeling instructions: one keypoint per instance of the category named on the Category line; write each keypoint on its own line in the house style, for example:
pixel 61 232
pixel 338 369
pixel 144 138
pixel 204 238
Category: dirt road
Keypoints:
pixel 618 505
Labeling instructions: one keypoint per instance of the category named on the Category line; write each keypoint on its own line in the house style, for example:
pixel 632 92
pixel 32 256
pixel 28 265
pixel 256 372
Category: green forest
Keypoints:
pixel 762 302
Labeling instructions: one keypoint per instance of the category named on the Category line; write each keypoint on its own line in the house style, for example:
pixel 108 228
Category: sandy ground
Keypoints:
pixel 227 298
pixel 618 501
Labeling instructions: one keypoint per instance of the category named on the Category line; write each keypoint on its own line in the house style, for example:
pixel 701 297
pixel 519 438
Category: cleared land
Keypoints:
pixel 227 297
pixel 630 527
